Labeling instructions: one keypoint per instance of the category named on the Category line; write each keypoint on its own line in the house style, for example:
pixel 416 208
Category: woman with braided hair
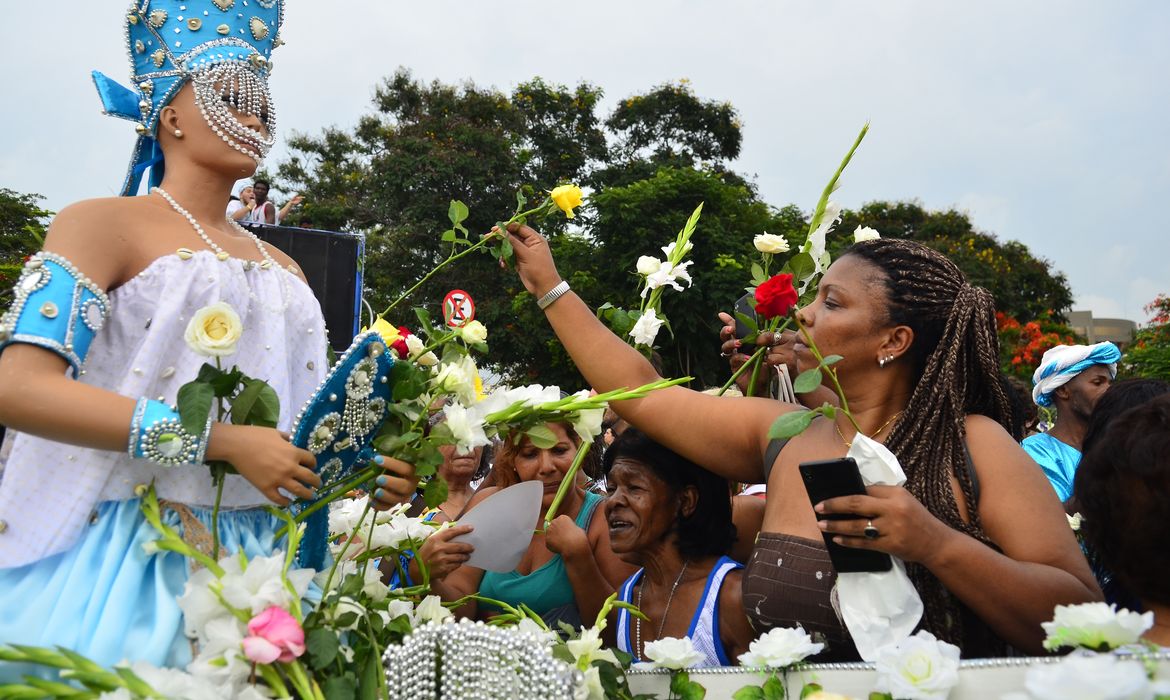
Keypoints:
pixel 985 540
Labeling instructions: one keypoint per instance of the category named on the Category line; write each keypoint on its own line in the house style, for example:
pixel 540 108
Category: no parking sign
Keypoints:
pixel 458 308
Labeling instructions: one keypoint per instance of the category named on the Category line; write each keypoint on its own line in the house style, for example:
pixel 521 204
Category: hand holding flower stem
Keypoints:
pixel 565 197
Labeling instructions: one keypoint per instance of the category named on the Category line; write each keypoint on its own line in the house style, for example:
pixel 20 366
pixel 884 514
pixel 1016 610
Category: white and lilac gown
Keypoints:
pixel 73 570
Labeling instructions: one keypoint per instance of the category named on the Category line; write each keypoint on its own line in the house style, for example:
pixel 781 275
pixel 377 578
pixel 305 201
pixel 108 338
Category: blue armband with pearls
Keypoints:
pixel 157 434
pixel 55 307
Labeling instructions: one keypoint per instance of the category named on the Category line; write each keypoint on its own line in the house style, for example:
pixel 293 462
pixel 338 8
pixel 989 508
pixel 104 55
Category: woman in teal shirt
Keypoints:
pixel 568 571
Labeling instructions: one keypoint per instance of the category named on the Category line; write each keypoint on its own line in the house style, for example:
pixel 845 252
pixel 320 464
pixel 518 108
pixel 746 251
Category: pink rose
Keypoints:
pixel 275 635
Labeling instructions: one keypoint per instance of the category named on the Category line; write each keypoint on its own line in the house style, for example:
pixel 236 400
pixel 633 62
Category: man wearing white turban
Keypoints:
pixel 1070 378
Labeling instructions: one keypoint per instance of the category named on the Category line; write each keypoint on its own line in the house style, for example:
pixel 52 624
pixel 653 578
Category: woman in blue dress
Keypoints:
pixel 94 352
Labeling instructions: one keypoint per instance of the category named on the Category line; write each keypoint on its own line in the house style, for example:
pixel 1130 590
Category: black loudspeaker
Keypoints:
pixel 332 263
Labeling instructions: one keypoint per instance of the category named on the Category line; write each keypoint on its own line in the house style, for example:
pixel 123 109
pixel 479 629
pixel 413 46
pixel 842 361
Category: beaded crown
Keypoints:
pixel 169 42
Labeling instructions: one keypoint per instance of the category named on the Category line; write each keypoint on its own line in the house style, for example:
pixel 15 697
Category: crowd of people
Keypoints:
pixel 94 352
pixel 982 522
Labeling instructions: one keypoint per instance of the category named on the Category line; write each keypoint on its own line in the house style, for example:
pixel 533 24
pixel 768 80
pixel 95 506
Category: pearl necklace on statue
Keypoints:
pixel 269 262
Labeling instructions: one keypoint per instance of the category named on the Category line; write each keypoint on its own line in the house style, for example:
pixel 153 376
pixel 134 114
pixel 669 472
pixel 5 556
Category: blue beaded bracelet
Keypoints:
pixel 157 434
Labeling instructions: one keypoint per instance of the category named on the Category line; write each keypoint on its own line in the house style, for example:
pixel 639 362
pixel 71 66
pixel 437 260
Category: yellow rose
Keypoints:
pixel 567 197
pixel 214 330
pixel 385 329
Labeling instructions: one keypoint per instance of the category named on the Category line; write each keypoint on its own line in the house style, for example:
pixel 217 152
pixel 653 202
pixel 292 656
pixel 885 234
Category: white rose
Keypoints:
pixel 431 610
pixel 1095 626
pixel 1091 677
pixel 780 647
pixel 648 265
pixel 399 607
pixel 473 332
pixel 771 243
pixel 458 378
pixel 466 425
pixel 415 347
pixel 645 330
pixel 673 653
pixel 214 330
pixel 918 668
pixel 865 233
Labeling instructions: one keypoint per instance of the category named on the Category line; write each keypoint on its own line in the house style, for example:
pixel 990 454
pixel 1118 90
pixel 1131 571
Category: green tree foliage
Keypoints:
pixel 22 231
pixel 1025 287
pixel 648 163
pixel 1149 355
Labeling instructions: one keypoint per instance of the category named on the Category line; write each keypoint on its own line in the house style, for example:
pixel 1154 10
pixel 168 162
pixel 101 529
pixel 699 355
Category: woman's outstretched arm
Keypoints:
pixel 728 436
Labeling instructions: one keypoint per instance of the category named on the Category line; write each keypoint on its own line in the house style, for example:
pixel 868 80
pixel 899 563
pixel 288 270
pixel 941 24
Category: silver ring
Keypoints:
pixel 870 532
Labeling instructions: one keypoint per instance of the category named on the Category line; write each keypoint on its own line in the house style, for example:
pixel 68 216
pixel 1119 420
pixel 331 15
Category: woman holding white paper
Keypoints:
pixel 985 540
pixel 567 572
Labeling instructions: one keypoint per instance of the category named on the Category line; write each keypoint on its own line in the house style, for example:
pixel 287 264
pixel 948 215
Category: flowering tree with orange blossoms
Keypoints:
pixel 1149 356
pixel 1022 345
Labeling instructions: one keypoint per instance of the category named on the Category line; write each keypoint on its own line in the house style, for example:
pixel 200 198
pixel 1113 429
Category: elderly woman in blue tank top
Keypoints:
pixel 673 518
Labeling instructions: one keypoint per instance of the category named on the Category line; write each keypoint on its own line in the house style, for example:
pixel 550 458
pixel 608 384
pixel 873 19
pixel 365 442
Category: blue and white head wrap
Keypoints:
pixel 1063 362
pixel 224 46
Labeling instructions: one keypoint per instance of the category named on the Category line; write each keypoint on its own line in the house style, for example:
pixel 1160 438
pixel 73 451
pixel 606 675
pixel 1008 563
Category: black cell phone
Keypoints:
pixel 743 306
pixel 830 479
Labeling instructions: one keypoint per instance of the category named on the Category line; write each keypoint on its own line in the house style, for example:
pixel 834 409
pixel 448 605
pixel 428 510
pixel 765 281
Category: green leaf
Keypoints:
pixel 683 687
pixel 225 384
pixel 449 236
pixel 758 274
pixel 194 403
pixel 801 266
pixel 371 675
pixel 810 689
pixel 807 381
pixel 506 249
pixel 340 687
pixel 790 425
pixel 424 318
pixel 542 437
pixel 323 646
pixel 457 212
pixel 880 696
pixel 773 689
pixel 208 372
pixel 831 360
pixel 749 321
pixel 749 692
pixel 435 492
pixel 257 404
pixel 829 411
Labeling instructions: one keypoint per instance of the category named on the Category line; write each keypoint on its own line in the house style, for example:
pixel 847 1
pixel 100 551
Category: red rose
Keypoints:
pixel 399 345
pixel 776 297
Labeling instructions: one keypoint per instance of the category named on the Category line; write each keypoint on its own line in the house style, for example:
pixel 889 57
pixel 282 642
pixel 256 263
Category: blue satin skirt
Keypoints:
pixel 106 598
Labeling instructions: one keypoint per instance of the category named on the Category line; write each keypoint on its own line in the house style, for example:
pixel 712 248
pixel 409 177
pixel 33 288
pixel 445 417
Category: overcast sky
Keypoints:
pixel 1048 122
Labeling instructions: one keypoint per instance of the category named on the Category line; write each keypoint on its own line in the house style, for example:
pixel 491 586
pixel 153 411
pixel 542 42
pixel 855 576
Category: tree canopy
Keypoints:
pixel 648 163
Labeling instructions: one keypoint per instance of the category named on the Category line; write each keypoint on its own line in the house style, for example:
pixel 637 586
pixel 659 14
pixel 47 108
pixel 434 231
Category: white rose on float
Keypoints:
pixel 214 330
pixel 648 265
pixel 431 610
pixel 1089 677
pixel 865 233
pixel 645 330
pixel 466 425
pixel 771 243
pixel 780 647
pixel 920 667
pixel 673 652
pixel 473 332
pixel 1095 626
pixel 415 346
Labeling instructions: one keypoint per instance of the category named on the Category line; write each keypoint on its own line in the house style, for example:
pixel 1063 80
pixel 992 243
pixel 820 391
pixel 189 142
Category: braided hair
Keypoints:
pixel 955 354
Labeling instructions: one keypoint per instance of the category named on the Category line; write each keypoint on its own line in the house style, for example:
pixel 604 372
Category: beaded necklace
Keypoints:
pixel 268 264
pixel 638 648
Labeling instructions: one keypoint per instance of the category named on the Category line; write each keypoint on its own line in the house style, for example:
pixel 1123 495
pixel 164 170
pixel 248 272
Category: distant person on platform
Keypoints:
pixel 264 211
pixel 1070 378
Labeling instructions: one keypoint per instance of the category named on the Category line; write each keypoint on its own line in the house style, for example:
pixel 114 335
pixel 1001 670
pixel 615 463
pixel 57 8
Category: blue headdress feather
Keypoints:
pixel 167 41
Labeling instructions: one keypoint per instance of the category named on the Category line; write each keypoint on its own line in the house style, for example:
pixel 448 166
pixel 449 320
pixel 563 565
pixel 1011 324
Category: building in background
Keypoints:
pixel 1118 331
